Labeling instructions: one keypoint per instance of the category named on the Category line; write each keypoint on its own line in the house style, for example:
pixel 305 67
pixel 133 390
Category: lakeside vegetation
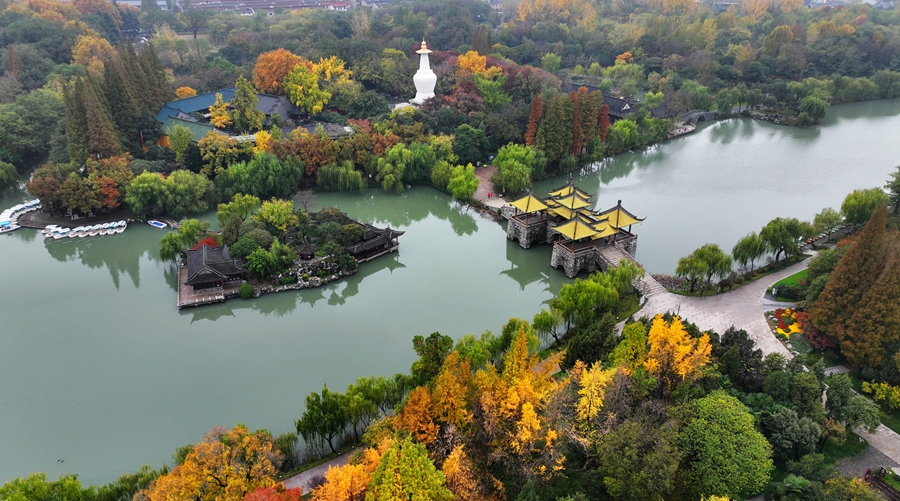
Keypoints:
pixel 641 417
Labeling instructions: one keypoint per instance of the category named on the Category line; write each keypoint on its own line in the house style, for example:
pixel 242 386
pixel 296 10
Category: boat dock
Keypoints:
pixel 187 297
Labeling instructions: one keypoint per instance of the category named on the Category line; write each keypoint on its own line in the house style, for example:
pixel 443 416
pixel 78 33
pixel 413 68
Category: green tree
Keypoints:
pixel 145 190
pixel 406 472
pixel 748 249
pixel 859 205
pixel 554 134
pixel 432 351
pixel 516 163
pixel 491 89
pixel 893 188
pixel 528 492
pixel 470 144
pixel 725 454
pixel 186 192
pixel 638 460
pixel 324 418
pixel 240 205
pixel 814 107
pixel 845 406
pixel 790 435
pixel 278 214
pixel 180 139
pixel 261 262
pixel 302 87
pixel 718 263
pixel 692 268
pixel 79 194
pixel 244 114
pixel 782 235
pixel 8 175
pixel 593 344
pixel 392 166
pixel 231 231
pixel 36 487
pixel 463 182
pixel 550 62
pixel 826 220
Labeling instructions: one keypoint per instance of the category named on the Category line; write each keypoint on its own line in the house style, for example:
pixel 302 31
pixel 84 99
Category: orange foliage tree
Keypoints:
pixel 225 466
pixel 452 392
pixel 534 119
pixel 512 402
pixel 185 92
pixel 273 67
pixel 350 481
pixel 277 493
pixel 674 355
pixel 417 417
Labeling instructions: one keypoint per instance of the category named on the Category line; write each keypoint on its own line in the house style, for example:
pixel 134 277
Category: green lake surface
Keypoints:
pixel 100 369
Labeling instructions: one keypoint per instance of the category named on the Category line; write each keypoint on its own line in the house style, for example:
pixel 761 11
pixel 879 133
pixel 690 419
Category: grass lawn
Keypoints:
pixel 851 447
pixel 793 280
pixel 893 480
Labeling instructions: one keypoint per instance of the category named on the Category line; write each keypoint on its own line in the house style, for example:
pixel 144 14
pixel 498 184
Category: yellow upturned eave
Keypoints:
pixel 620 218
pixel 576 230
pixel 529 204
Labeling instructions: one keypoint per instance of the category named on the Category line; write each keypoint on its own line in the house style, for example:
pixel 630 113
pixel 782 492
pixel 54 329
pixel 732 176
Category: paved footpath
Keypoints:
pixel 304 479
pixel 742 307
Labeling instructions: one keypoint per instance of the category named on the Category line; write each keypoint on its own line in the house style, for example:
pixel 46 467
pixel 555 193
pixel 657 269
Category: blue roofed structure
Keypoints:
pixel 199 103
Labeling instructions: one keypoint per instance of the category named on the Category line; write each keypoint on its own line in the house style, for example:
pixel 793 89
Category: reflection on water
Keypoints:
pixel 84 363
pixel 117 253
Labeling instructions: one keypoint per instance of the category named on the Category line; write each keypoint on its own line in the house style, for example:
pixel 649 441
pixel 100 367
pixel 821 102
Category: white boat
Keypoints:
pixel 157 224
pixel 121 227
pixel 95 230
pixel 48 230
pixel 60 233
pixel 6 228
pixel 74 232
pixel 85 231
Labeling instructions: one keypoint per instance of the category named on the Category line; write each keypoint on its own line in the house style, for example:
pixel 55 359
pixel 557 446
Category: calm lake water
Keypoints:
pixel 98 367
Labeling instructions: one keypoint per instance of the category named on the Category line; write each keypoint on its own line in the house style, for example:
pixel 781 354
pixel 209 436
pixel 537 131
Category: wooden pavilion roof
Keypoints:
pixel 567 190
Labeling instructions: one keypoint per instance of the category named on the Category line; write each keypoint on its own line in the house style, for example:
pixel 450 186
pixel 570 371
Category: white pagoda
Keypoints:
pixel 425 79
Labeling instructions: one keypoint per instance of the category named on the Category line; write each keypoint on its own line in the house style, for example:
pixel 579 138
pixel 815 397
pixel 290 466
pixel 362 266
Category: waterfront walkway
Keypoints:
pixel 485 186
pixel 307 479
pixel 742 308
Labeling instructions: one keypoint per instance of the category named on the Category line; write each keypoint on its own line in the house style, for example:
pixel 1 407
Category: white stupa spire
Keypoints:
pixel 425 79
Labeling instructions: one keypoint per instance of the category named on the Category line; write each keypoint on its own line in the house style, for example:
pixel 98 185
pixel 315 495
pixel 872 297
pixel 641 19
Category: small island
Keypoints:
pixel 275 249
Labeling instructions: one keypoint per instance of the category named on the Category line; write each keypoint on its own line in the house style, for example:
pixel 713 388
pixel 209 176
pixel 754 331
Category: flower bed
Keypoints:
pixel 790 321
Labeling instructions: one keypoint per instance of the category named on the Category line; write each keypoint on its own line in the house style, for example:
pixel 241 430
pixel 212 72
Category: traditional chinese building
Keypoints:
pixel 583 239
pixel 212 268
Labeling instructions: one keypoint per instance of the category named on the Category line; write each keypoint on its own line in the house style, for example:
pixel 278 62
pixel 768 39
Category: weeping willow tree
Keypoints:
pixel 343 177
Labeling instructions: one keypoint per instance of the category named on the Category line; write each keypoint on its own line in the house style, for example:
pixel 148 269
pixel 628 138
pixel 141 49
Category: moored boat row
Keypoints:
pixel 9 218
pixel 58 232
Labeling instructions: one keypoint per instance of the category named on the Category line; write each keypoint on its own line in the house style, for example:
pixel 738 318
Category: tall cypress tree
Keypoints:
pixel 577 132
pixel 590 109
pixel 245 116
pixel 554 136
pixel 76 123
pixel 855 273
pixel 101 134
pixel 876 321
pixel 157 86
pixel 123 106
pixel 137 79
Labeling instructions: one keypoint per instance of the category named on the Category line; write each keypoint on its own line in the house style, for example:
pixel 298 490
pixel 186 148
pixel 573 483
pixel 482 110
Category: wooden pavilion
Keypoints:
pixel 578 234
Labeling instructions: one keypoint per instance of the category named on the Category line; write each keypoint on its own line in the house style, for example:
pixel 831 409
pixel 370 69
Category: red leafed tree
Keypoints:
pixel 577 134
pixel 534 119
pixel 604 121
pixel 109 192
pixel 208 241
pixel 277 493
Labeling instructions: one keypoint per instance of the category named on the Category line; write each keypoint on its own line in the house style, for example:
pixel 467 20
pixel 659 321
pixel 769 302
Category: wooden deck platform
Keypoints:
pixel 187 297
